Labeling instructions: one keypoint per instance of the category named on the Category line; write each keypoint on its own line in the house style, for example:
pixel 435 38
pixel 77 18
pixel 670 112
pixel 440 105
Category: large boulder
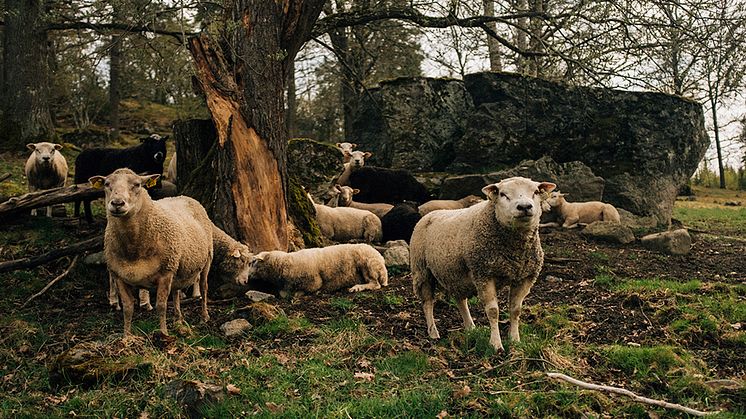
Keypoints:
pixel 645 145
pixel 314 164
pixel 411 123
pixel 672 242
pixel 572 178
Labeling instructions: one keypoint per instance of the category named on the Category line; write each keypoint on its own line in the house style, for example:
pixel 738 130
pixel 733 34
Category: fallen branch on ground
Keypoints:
pixel 96 243
pixel 54 281
pixel 48 197
pixel 618 390
pixel 5 176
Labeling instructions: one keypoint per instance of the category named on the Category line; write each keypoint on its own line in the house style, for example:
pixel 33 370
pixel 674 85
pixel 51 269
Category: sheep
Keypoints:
pixel 326 269
pixel 480 249
pixel 399 223
pixel 45 169
pixel 380 184
pixel 165 244
pixel 345 224
pixel 574 214
pixel 346 149
pixel 145 158
pixel 342 196
pixel 437 204
pixel 171 171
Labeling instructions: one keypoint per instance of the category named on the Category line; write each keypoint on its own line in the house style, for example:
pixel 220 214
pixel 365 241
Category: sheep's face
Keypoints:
pixel 239 261
pixel 124 191
pixel 155 146
pixel 346 149
pixel 471 200
pixel 553 200
pixel 256 265
pixel 517 200
pixel 44 152
pixel 357 158
pixel 345 195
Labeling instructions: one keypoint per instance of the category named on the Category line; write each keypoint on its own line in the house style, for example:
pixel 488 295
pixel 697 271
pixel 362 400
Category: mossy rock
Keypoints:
pixel 314 164
pixel 303 214
pixel 87 365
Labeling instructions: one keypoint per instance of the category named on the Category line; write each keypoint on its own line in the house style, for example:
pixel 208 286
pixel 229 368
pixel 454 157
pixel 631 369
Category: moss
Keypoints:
pixel 303 214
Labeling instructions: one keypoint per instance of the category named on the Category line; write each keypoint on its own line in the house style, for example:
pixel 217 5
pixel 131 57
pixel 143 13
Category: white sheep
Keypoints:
pixel 356 161
pixel 357 266
pixel 346 149
pixel 171 171
pixel 45 169
pixel 164 244
pixel 344 224
pixel 437 204
pixel 478 250
pixel 341 196
pixel 574 214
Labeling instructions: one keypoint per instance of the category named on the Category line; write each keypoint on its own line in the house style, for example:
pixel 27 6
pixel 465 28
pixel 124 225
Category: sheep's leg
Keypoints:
pixel 88 213
pixel 128 304
pixel 427 307
pixel 571 222
pixel 549 224
pixel 144 296
pixel 373 285
pixel 488 295
pixel 463 308
pixel 423 284
pixel 517 294
pixel 203 289
pixel 195 290
pixel 177 306
pixel 49 211
pixel 161 300
pixel 76 213
pixel 113 294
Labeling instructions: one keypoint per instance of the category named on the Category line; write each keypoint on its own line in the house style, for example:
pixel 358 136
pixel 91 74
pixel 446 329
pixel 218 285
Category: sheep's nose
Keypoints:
pixel 45 158
pixel 525 208
pixel 117 202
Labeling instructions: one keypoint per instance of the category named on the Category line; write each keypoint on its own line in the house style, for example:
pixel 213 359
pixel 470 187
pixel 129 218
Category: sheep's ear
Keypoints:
pixel 339 145
pixel 236 253
pixel 355 191
pixel 368 154
pixel 150 180
pixel 353 145
pixel 165 137
pixel 491 191
pixel 547 186
pixel 58 147
pixel 337 187
pixel 31 146
pixel 97 182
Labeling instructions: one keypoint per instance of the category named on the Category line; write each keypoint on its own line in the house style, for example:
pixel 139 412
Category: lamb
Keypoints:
pixel 342 196
pixel 380 184
pixel 399 223
pixel 345 224
pixel 325 269
pixel 574 214
pixel 346 149
pixel 171 171
pixel 480 249
pixel 145 158
pixel 165 244
pixel 437 204
pixel 45 169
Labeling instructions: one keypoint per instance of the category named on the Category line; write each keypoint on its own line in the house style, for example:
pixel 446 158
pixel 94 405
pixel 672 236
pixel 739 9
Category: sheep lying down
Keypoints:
pixel 357 266
pixel 574 214
pixel 479 250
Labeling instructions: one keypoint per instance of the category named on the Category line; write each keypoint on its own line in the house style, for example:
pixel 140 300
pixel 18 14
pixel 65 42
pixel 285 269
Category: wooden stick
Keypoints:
pixel 48 197
pixel 54 281
pixel 96 243
pixel 618 390
pixel 5 176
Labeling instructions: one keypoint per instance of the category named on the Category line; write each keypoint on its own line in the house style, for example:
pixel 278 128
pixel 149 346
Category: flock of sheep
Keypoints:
pixel 464 248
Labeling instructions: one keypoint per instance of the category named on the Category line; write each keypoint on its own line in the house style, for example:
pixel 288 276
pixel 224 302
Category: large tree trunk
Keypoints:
pixel 25 91
pixel 292 108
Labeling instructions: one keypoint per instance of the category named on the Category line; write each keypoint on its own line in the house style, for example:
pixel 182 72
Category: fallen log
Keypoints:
pixel 96 243
pixel 31 200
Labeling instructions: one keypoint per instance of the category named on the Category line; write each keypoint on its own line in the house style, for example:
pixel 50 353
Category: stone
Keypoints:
pixel 261 312
pixel 191 395
pixel 672 242
pixel 635 221
pixel 572 178
pixel 95 259
pixel 396 253
pixel 257 296
pixel 235 327
pixel 609 231
pixel 87 364
pixel 314 164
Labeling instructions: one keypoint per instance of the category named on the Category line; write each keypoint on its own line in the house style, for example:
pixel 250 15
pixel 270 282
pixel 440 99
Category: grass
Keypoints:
pixel 729 221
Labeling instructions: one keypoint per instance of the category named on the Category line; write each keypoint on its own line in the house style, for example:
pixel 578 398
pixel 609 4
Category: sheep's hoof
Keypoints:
pixel 115 306
pixel 146 306
pixel 498 347
pixel 433 333
pixel 357 288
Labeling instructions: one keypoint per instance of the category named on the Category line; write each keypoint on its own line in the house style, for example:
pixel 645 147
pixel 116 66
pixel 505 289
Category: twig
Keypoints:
pixel 54 281
pixel 95 243
pixel 617 390
pixel 560 260
pixel 5 176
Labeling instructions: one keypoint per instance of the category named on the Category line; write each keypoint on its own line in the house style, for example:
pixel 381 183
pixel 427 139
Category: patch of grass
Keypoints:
pixel 599 256
pixel 280 326
pixel 393 299
pixel 642 362
pixel 397 270
pixel 718 220
pixel 405 365
pixel 475 341
pixel 604 280
pixel 207 341
pixel 657 284
pixel 342 304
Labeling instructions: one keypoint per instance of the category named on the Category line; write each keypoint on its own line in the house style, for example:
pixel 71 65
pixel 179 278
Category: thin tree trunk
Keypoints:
pixel 115 65
pixel 493 46
pixel 520 34
pixel 536 44
pixel 25 94
pixel 292 107
pixel 716 128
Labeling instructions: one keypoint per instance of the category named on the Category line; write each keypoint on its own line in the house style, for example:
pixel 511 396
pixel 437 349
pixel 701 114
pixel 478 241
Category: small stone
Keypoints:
pixel 191 395
pixel 673 242
pixel 257 296
pixel 235 327
pixel 396 253
pixel 95 259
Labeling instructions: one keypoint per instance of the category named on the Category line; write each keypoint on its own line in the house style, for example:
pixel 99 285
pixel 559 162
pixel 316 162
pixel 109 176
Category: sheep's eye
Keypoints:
pixel 537 192
pixel 136 185
pixel 502 194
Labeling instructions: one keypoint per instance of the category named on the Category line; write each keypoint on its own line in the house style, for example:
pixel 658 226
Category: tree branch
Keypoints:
pixel 118 27
pixel 52 282
pixel 96 243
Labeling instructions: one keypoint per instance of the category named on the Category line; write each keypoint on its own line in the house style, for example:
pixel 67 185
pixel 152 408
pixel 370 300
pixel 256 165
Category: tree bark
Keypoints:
pixel 31 200
pixel 245 97
pixel 25 103
pixel 493 46
pixel 292 106
pixel 115 65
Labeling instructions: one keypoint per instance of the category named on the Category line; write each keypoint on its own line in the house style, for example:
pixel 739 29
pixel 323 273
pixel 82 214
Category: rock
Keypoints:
pixel 257 296
pixel 672 242
pixel 412 123
pixel 396 253
pixel 732 203
pixel 95 259
pixel 235 327
pixel 86 364
pixel 314 164
pixel 635 221
pixel 644 145
pixel 573 178
pixel 261 312
pixel 609 231
pixel 303 227
pixel 191 395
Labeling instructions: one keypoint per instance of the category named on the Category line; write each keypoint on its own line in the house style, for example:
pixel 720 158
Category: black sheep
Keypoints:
pixel 383 185
pixel 145 158
pixel 399 222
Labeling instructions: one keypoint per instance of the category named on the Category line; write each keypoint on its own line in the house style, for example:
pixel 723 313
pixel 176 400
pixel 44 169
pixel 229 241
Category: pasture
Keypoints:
pixel 664 327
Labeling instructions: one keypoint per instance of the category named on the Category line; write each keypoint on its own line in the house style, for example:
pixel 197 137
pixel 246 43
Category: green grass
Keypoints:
pixel 729 221
pixel 342 304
